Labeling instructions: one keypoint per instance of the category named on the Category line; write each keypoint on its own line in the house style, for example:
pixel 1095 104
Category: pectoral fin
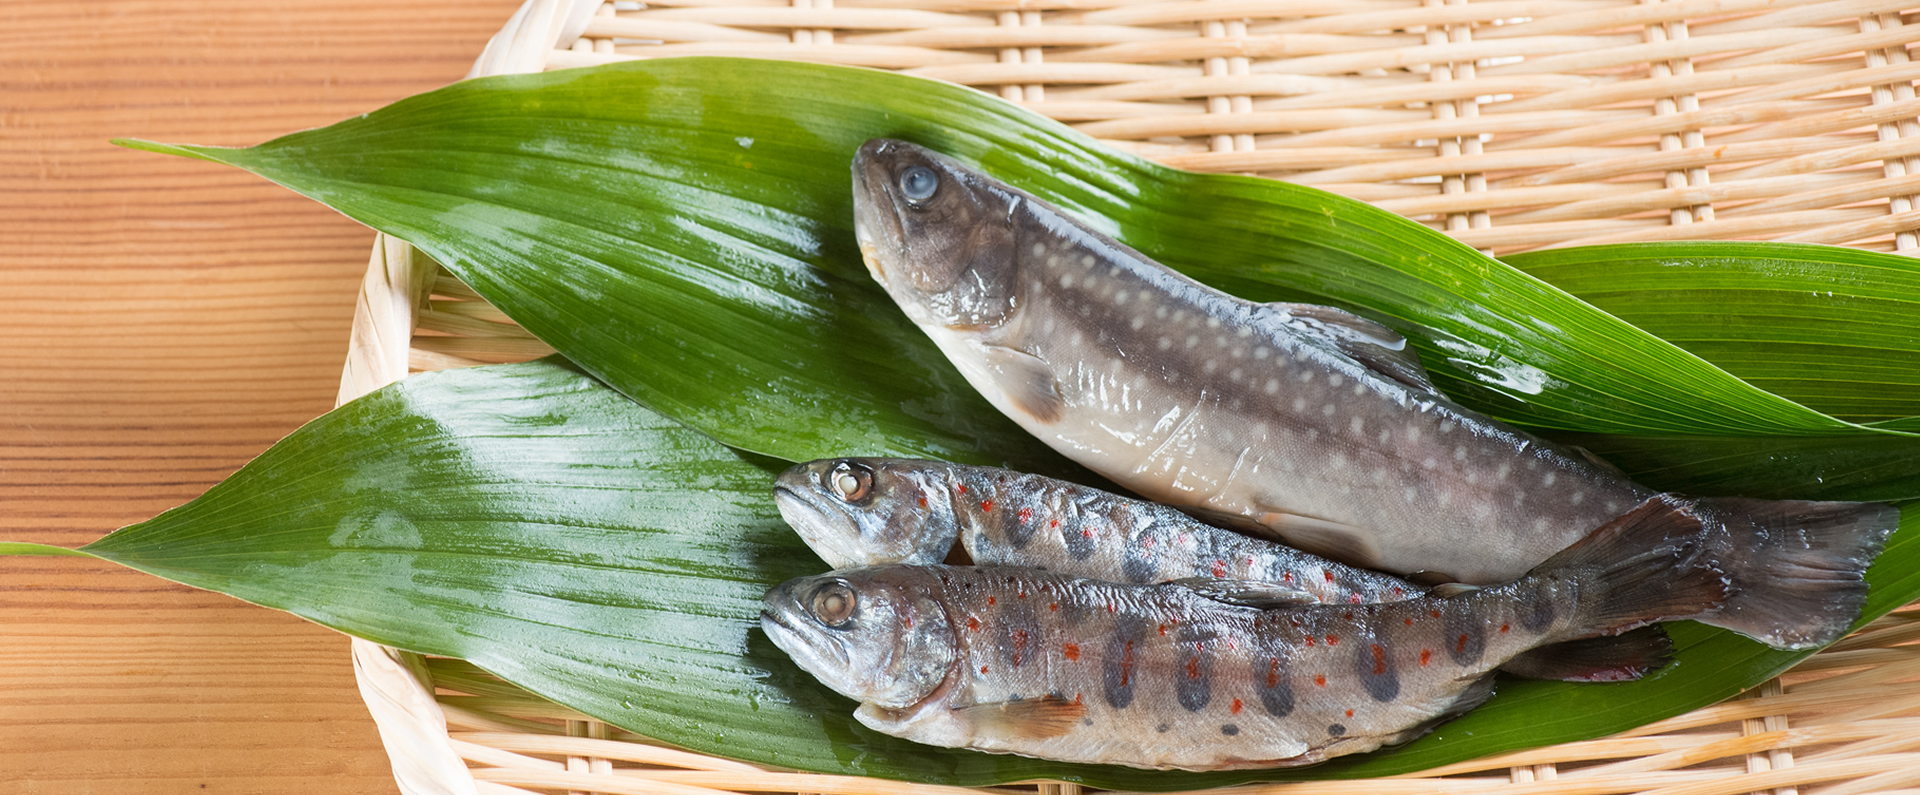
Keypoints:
pixel 1247 593
pixel 1030 718
pixel 1028 380
pixel 1354 546
pixel 1374 346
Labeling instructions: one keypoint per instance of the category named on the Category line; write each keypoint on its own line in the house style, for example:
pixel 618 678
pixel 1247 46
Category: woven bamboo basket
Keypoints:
pixel 1509 124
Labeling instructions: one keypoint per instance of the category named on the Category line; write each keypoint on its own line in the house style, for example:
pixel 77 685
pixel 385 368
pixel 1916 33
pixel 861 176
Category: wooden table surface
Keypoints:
pixel 161 322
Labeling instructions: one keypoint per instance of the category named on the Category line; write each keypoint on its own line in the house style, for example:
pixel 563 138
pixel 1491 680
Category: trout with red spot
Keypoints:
pixel 1041 664
pixel 868 511
pixel 1307 422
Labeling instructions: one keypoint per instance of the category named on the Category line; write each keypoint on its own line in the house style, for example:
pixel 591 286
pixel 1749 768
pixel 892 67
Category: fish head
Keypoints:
pixel 939 236
pixel 878 635
pixel 869 511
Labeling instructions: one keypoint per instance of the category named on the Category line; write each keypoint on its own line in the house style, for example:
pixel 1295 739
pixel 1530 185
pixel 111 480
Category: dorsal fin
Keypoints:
pixel 1374 346
pixel 1247 593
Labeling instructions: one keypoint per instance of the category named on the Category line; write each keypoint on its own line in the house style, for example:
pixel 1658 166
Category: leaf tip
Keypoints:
pixel 183 150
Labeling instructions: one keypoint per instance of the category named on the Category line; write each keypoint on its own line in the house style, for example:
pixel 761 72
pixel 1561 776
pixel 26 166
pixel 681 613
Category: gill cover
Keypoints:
pixel 869 511
pixel 938 237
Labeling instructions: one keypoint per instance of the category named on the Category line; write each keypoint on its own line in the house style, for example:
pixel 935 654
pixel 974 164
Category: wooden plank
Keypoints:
pixel 161 322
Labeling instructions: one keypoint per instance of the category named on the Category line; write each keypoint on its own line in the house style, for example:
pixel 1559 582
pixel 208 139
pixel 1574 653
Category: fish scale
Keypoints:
pixel 1044 664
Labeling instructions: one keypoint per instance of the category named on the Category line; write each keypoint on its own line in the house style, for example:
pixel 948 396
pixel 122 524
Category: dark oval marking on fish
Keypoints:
pixel 1021 634
pixel 1540 616
pixel 1377 672
pixel 1016 527
pixel 1336 730
pixel 1466 637
pixel 1137 564
pixel 1193 678
pixel 1229 729
pixel 1118 663
pixel 1079 539
pixel 1274 684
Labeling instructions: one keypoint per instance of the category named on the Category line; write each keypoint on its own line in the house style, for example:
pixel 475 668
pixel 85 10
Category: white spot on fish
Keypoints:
pixel 1136 323
pixel 1413 435
pixel 1192 340
pixel 1336 379
pixel 1120 296
pixel 1213 322
pixel 1244 332
pixel 1210 366
pixel 1384 436
pixel 1273 385
pixel 1539 525
pixel 1579 497
pixel 1358 426
pixel 1299 404
pixel 1306 377
pixel 1446 426
pixel 1410 494
pixel 1160 312
pixel 1444 496
pixel 1329 409
pixel 1220 342
pixel 1226 436
pixel 1472 477
pixel 1238 351
pixel 1338 461
pixel 1549 479
pixel 1262 353
pixel 1459 453
pixel 1049 325
pixel 1087 261
pixel 1039 249
pixel 1179 315
pixel 1429 463
pixel 1501 473
pixel 1066 280
pixel 1165 343
pixel 1483 511
pixel 1235 375
pixel 1359 389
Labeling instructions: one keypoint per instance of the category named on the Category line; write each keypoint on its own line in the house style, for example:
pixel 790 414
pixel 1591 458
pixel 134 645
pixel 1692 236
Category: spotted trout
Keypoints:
pixel 1304 422
pixel 1021 661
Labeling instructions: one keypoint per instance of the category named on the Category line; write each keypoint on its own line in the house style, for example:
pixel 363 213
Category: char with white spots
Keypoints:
pixel 867 511
pixel 1012 660
pixel 1305 421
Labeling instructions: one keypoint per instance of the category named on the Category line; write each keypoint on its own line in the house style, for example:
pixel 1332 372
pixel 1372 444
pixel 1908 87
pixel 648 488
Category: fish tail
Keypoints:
pixel 1797 568
pixel 1645 566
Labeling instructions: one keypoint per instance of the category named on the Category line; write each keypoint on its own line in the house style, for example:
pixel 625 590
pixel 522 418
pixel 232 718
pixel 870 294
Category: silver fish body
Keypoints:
pixel 1041 664
pixel 869 511
pixel 1312 423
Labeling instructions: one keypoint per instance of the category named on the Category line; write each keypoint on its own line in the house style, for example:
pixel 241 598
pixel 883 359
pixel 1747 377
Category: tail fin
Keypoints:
pixel 1647 565
pixel 1797 567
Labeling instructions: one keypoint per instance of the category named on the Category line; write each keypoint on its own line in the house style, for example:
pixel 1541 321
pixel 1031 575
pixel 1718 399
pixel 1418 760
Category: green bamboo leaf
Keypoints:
pixel 1831 328
pixel 682 229
pixel 534 522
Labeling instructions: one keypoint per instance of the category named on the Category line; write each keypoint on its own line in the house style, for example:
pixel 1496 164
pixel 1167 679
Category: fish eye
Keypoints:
pixel 850 482
pixel 834 604
pixel 918 183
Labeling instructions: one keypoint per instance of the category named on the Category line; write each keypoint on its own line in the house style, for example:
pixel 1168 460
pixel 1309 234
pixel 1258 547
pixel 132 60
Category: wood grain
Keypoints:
pixel 161 322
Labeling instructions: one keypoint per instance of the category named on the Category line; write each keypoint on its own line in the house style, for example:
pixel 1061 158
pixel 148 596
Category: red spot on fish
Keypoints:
pixel 1111 608
pixel 923 502
pixel 1086 532
pixel 1025 514
pixel 1426 655
pixel 1354 598
pixel 1219 568
pixel 1231 644
pixel 909 622
pixel 983 669
pixel 1398 591
pixel 1333 640
pixel 973 623
pixel 1193 668
pixel 1434 613
pixel 1019 645
pixel 1147 542
pixel 1273 672
pixel 1163 630
pixel 1235 709
pixel 990 600
pixel 1309 641
pixel 1126 664
pixel 1460 646
pixel 1076 699
pixel 1286 576
pixel 1349 713
pixel 1249 561
pixel 1320 679
pixel 1328 574
pixel 1053 524
pixel 960 487
pixel 1071 650
pixel 1379 659
pixel 1022 593
pixel 1183 538
pixel 1409 622
pixel 986 505
pixel 1054 606
pixel 1503 628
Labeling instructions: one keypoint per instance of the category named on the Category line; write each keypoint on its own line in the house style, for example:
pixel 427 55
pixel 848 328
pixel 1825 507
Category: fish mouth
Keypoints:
pixel 876 218
pixel 815 654
pixel 826 532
